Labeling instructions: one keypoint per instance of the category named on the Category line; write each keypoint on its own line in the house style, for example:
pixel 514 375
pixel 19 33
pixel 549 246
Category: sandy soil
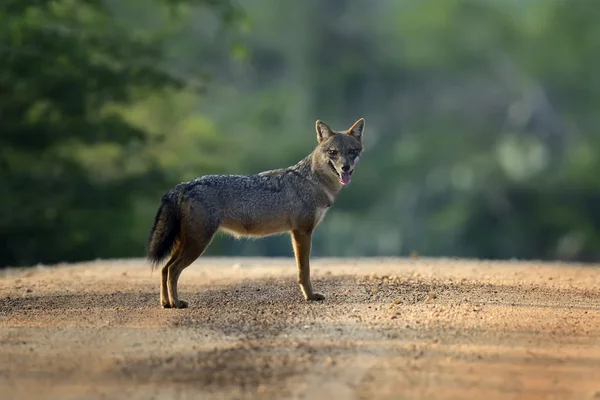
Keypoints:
pixel 388 329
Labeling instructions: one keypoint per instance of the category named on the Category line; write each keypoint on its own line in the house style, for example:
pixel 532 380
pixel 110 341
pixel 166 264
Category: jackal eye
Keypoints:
pixel 332 152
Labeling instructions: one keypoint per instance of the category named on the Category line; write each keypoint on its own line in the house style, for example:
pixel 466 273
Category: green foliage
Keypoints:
pixel 480 133
pixel 72 166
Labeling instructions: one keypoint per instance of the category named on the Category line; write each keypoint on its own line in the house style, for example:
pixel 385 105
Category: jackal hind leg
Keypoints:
pixel 164 292
pixel 194 243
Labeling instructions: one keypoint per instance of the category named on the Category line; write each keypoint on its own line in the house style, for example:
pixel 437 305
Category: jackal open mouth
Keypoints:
pixel 345 177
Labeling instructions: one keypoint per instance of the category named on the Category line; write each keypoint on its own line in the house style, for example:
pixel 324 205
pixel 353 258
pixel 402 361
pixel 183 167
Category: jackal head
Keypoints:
pixel 339 150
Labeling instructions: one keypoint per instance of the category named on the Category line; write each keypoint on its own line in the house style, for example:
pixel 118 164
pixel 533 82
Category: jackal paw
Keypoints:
pixel 315 297
pixel 180 304
pixel 164 303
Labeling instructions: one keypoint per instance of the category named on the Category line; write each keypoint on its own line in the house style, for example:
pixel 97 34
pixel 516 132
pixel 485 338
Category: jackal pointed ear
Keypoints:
pixel 357 129
pixel 323 131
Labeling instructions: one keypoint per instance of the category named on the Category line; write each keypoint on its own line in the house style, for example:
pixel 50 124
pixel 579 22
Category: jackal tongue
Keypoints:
pixel 345 177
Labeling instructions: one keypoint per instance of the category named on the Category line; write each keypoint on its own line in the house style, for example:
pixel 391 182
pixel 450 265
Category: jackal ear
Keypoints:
pixel 357 129
pixel 324 132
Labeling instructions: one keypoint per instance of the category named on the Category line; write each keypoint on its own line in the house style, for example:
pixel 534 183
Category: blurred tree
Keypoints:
pixel 71 165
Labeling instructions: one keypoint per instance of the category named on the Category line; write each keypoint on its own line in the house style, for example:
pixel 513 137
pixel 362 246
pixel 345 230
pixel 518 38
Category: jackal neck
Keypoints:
pixel 319 175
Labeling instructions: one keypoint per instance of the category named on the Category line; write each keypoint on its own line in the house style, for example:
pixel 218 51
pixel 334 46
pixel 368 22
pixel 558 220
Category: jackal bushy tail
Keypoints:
pixel 164 231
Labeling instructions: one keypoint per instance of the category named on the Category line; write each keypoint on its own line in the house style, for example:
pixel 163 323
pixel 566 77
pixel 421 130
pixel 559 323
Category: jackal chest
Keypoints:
pixel 320 214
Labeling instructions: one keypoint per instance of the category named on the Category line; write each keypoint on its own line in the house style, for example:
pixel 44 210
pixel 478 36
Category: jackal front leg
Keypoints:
pixel 302 243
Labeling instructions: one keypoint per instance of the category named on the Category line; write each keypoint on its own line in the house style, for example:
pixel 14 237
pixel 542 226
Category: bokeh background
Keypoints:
pixel 481 116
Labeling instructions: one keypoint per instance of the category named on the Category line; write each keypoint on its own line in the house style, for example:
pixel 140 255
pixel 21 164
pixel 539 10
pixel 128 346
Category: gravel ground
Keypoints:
pixel 388 329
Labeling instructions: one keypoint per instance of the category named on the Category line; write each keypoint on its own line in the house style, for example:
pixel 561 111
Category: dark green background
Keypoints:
pixel 481 116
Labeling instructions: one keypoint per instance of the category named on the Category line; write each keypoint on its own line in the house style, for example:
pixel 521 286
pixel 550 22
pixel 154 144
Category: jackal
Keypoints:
pixel 293 199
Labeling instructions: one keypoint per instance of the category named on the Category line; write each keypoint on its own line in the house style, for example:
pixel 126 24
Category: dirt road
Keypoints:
pixel 388 329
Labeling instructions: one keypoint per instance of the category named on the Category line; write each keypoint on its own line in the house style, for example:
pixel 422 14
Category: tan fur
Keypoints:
pixel 293 199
